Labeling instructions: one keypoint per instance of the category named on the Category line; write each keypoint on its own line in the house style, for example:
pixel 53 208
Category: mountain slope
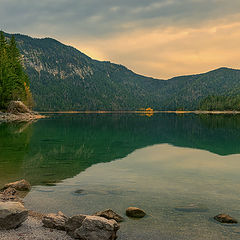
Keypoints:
pixel 188 91
pixel 63 78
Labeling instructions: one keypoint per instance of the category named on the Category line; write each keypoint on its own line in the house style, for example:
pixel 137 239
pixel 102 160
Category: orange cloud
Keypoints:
pixel 171 51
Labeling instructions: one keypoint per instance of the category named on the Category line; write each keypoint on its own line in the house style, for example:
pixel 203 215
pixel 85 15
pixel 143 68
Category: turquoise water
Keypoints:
pixel 163 164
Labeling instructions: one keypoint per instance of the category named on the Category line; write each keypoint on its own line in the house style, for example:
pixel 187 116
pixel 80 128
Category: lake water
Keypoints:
pixel 181 169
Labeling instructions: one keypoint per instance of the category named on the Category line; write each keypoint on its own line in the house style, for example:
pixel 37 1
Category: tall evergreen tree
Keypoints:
pixel 14 83
pixel 3 69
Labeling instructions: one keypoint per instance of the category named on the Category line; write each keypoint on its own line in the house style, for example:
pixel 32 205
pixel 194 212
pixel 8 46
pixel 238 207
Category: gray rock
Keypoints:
pixel 74 223
pixel 17 107
pixel 97 228
pixel 224 218
pixel 55 221
pixel 109 214
pixel 12 215
pixel 135 212
pixel 21 185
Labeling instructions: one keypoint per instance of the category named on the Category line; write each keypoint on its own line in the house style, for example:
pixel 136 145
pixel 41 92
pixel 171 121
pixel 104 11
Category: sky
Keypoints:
pixel 157 38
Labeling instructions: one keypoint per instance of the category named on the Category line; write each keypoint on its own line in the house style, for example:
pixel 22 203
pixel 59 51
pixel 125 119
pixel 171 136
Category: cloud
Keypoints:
pixel 108 17
pixel 172 51
pixel 160 38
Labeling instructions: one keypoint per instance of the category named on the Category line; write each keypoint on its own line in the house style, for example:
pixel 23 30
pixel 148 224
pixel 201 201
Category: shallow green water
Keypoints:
pixel 160 164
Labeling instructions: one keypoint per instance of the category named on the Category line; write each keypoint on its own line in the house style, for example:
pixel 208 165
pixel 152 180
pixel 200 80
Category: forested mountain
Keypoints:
pixel 188 91
pixel 220 103
pixel 63 78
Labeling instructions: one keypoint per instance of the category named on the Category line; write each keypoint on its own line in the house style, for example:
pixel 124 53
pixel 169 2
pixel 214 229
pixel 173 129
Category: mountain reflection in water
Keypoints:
pixel 60 147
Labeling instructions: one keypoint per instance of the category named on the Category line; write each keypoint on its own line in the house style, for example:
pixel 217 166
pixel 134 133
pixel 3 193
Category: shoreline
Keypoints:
pixel 32 229
pixel 18 222
pixel 20 117
pixel 142 112
pixel 32 116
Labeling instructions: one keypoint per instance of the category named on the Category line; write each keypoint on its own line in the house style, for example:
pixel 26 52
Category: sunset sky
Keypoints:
pixel 158 38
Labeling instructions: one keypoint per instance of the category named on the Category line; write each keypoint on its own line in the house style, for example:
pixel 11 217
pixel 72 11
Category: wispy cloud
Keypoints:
pixel 154 37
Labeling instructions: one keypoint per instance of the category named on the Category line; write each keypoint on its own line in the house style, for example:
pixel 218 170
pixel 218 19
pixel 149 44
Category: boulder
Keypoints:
pixel 92 228
pixel 12 215
pixel 21 185
pixel 55 221
pixel 224 218
pixel 74 223
pixel 16 107
pixel 135 212
pixel 97 228
pixel 9 194
pixel 109 214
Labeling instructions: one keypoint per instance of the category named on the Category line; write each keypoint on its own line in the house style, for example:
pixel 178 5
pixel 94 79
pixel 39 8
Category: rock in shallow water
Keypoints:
pixel 97 228
pixel 224 218
pixel 21 185
pixel 92 228
pixel 55 221
pixel 109 214
pixel 12 215
pixel 135 212
pixel 192 208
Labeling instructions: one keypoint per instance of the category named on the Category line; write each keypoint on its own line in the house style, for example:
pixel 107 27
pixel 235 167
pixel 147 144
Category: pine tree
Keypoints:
pixel 3 69
pixel 14 82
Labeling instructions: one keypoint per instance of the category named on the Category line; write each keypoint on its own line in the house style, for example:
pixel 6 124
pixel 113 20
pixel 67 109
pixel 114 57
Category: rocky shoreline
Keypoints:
pixel 17 111
pixel 21 117
pixel 18 223
pixel 32 229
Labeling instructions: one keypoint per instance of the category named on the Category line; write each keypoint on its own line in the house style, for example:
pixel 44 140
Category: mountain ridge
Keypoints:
pixel 106 61
pixel 64 78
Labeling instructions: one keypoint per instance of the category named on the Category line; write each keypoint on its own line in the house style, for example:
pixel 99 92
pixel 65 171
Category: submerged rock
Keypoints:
pixel 12 215
pixel 80 192
pixel 135 212
pixel 192 208
pixel 110 214
pixel 224 218
pixel 55 221
pixel 21 185
pixel 92 228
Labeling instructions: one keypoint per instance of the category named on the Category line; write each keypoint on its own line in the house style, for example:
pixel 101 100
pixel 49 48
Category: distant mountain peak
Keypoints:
pixel 64 78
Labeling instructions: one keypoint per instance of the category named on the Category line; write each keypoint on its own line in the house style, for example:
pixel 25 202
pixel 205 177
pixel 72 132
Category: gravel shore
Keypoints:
pixel 23 117
pixel 32 229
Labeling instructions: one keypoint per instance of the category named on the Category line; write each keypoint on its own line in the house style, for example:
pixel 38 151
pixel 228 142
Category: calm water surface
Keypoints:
pixel 181 169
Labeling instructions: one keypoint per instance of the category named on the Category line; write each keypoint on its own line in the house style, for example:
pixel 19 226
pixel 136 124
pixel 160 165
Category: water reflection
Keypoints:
pixel 50 150
pixel 14 146
pixel 181 189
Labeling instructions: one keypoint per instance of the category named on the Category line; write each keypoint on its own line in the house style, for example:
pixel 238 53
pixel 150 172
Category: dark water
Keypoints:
pixel 181 169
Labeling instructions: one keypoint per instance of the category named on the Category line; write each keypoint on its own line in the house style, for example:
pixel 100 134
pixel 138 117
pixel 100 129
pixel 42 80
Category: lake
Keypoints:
pixel 181 169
